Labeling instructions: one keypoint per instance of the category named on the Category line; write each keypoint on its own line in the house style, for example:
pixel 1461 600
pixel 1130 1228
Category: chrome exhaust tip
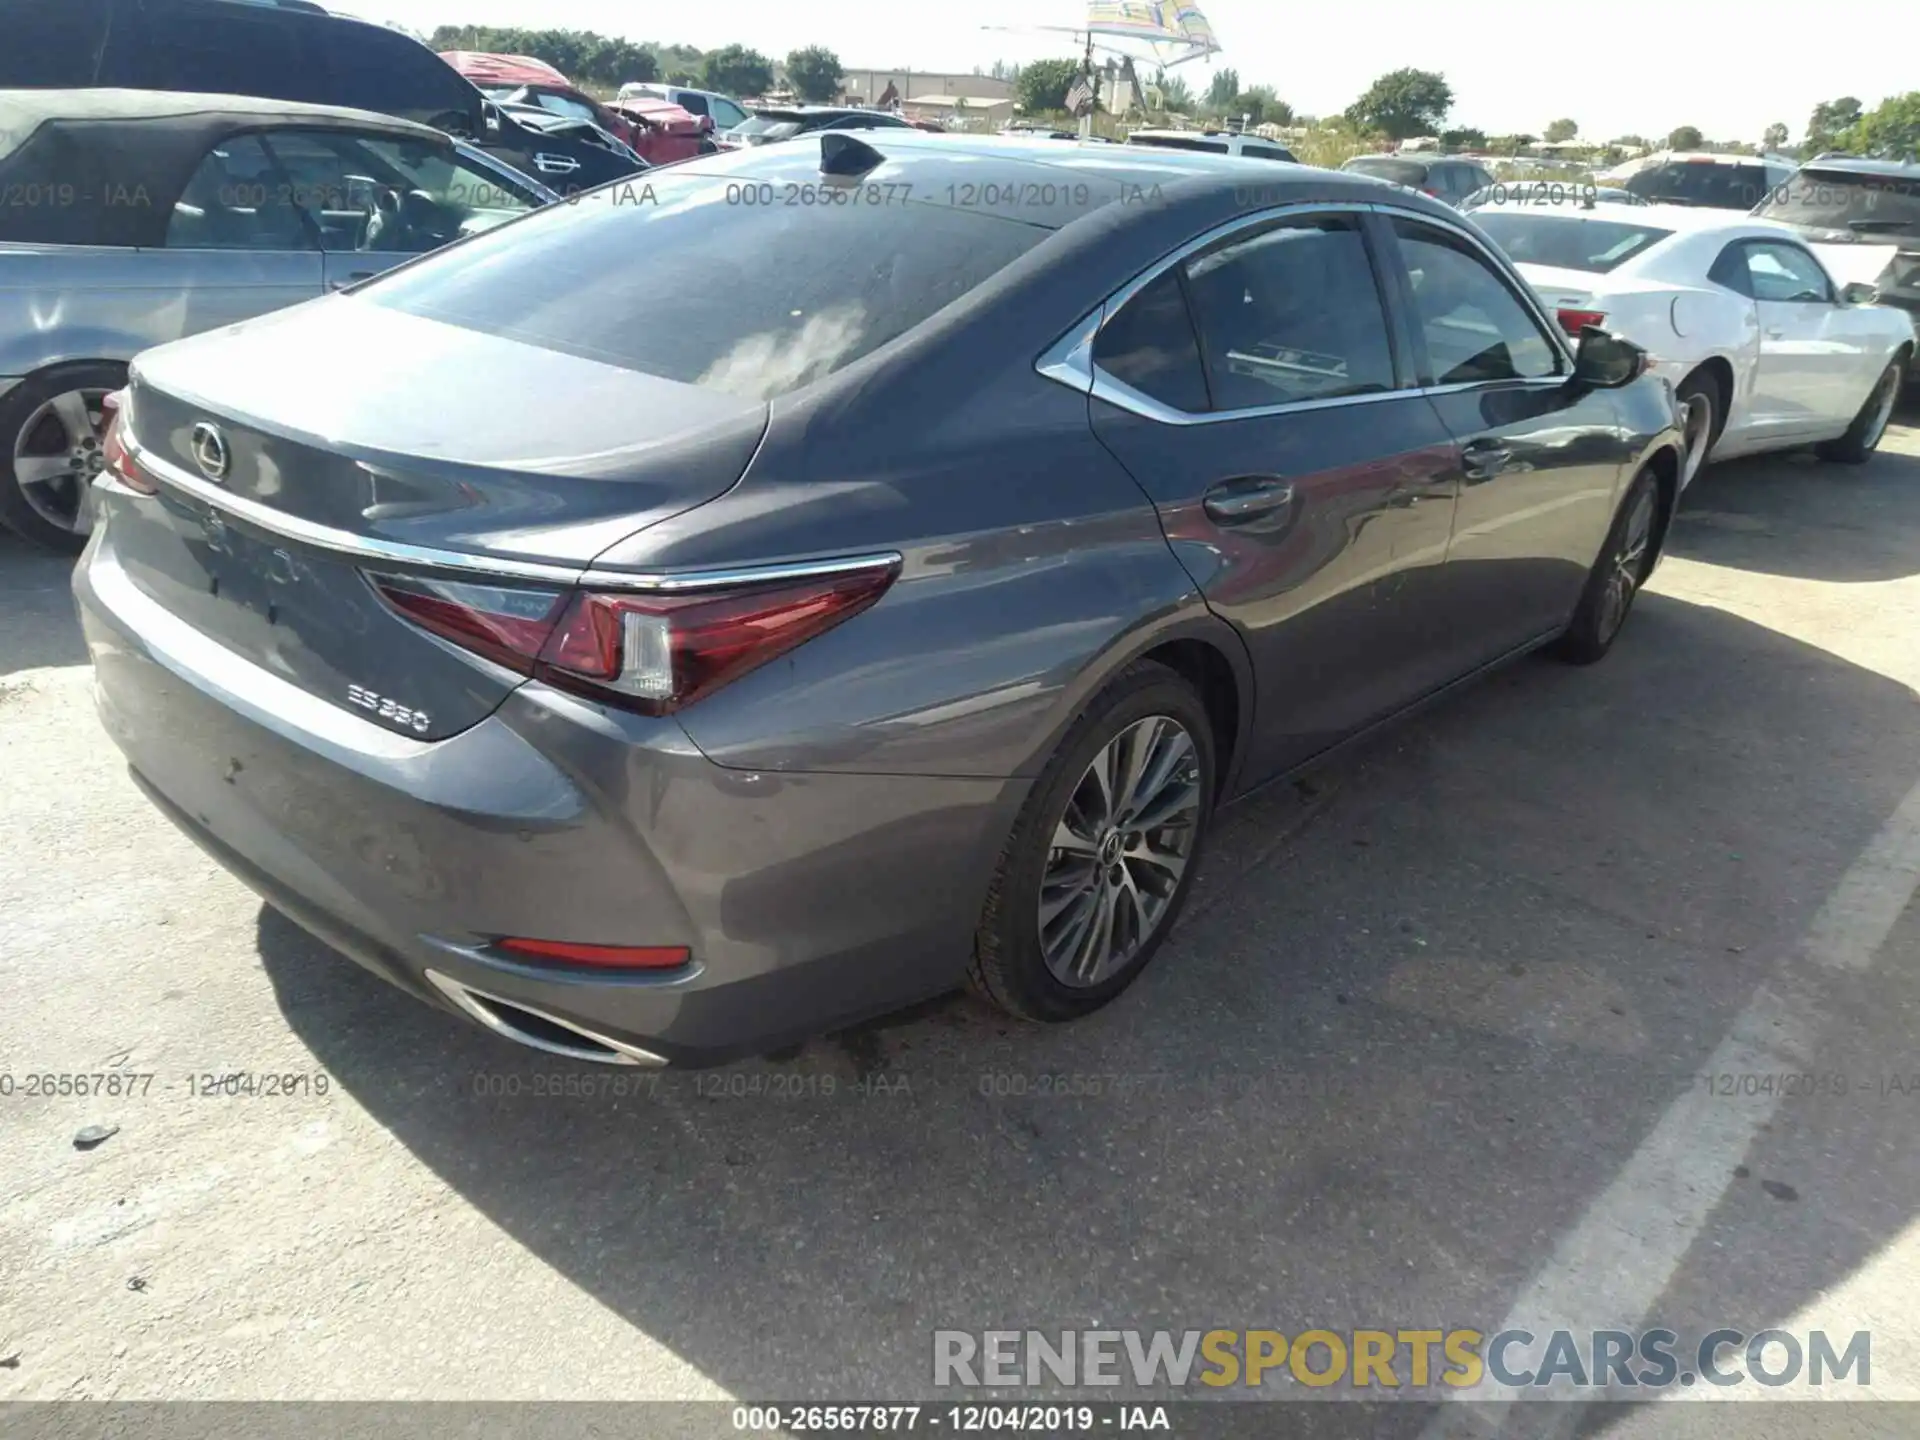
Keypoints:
pixel 526 1025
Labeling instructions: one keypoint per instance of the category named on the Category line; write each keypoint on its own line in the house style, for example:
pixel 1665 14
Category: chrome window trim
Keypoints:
pixel 1069 360
pixel 499 567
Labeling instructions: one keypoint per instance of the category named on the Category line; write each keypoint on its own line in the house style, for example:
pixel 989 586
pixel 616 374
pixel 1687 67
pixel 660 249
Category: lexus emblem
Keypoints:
pixel 209 448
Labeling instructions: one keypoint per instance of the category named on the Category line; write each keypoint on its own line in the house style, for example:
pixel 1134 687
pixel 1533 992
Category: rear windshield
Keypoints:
pixel 1565 241
pixel 1179 142
pixel 771 126
pixel 1400 172
pixel 1841 200
pixel 705 278
pixel 1702 182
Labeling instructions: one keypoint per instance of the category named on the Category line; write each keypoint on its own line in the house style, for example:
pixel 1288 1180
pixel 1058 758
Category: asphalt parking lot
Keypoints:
pixel 1421 1054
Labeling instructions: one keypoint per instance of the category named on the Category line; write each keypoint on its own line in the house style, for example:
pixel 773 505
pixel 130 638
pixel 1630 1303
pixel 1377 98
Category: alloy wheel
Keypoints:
pixel 1119 851
pixel 56 454
pixel 1628 567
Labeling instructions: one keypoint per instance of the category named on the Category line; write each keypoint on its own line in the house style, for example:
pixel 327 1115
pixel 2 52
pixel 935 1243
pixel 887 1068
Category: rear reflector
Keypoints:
pixel 1574 321
pixel 648 652
pixel 606 957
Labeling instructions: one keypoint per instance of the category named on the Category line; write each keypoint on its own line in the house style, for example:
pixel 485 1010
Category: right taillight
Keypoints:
pixel 660 653
pixel 647 652
pixel 114 455
pixel 1574 321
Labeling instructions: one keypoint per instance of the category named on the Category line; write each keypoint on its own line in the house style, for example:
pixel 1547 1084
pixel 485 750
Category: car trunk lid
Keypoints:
pixel 301 452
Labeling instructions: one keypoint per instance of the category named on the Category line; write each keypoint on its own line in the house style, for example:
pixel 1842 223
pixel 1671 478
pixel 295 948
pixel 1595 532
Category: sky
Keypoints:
pixel 1622 67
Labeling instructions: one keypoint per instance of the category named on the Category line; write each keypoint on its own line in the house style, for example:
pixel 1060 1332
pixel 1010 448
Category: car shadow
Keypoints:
pixel 1421 1011
pixel 37 626
pixel 1797 515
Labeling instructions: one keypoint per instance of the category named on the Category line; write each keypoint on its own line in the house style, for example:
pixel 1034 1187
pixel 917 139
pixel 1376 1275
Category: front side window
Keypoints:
pixel 238 199
pixel 1290 313
pixel 725 113
pixel 1786 273
pixel 1150 345
pixel 383 193
pixel 1474 326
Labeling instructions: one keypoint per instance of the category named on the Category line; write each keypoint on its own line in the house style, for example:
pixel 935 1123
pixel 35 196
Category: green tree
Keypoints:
pixel 1262 106
pixel 1043 85
pixel 1561 130
pixel 736 70
pixel 1891 131
pixel 1404 103
pixel 1687 137
pixel 1468 139
pixel 1221 90
pixel 1776 136
pixel 1630 142
pixel 814 73
pixel 1175 93
pixel 1829 120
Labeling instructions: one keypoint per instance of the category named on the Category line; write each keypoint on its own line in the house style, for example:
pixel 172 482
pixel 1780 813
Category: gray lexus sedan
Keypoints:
pixel 777 590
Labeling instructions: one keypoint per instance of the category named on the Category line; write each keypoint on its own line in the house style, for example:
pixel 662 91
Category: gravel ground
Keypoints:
pixel 1415 1058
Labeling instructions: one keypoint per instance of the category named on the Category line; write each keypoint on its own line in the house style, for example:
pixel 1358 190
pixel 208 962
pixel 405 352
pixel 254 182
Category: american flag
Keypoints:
pixel 1079 95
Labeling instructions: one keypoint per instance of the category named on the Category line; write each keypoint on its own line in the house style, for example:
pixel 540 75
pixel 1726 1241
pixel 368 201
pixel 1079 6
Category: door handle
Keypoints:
pixel 1484 459
pixel 1247 499
pixel 553 164
pixel 354 278
pixel 1775 334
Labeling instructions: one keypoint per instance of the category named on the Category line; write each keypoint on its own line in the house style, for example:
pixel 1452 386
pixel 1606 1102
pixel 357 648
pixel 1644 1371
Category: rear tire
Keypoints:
pixel 1624 564
pixel 50 431
pixel 1870 425
pixel 1084 895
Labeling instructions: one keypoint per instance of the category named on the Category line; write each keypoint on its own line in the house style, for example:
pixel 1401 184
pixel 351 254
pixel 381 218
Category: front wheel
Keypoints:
pixel 1870 425
pixel 1624 564
pixel 1103 854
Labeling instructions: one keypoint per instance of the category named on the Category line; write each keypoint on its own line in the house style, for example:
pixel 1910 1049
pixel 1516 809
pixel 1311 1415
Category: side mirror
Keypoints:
pixel 1859 293
pixel 1603 361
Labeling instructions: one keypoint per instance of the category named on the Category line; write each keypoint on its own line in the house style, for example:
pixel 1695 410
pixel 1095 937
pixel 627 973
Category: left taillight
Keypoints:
pixel 115 458
pixel 655 653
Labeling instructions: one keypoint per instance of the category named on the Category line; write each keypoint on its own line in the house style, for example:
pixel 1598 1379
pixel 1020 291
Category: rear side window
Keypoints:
pixel 665 276
pixel 1702 182
pixel 390 74
pixel 1150 345
pixel 1288 313
pixel 51 44
pixel 238 199
pixel 231 49
pixel 691 103
pixel 1175 142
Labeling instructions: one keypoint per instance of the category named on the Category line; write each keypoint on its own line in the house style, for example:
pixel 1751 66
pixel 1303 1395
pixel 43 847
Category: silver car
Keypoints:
pixel 129 218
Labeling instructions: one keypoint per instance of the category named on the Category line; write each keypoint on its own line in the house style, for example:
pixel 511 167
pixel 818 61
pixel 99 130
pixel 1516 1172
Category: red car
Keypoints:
pixel 666 132
pixel 523 80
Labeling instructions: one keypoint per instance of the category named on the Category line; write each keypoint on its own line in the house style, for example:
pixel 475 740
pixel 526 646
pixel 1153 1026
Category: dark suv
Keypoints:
pixel 279 50
pixel 1847 207
pixel 1445 177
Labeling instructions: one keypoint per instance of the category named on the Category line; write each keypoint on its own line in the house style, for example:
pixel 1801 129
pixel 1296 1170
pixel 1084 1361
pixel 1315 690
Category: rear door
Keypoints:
pixel 237 246
pixel 1253 390
pixel 1541 460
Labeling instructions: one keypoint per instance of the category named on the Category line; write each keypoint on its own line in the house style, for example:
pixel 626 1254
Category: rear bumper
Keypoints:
pixel 807 901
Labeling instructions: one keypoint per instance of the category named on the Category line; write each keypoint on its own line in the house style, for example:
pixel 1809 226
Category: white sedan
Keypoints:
pixel 1763 349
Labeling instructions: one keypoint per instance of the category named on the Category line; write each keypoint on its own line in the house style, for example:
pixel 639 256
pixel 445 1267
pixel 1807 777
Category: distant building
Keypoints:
pixel 865 87
pixel 988 112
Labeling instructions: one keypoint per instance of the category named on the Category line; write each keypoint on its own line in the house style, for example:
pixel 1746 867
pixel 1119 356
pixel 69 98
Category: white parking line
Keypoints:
pixel 1610 1268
